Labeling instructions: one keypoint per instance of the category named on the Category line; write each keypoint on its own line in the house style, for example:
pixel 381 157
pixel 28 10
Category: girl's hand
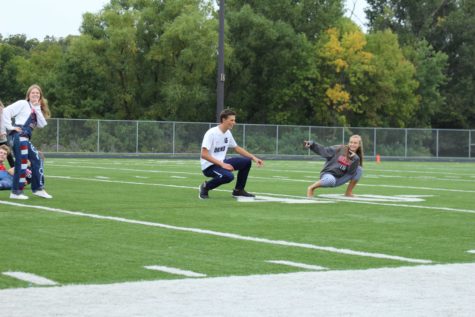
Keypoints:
pixel 35 100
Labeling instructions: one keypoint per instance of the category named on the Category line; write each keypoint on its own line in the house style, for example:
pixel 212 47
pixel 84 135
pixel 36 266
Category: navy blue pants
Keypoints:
pixel 222 176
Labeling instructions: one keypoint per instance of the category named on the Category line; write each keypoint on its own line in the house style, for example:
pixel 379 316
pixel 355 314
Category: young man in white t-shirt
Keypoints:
pixel 214 163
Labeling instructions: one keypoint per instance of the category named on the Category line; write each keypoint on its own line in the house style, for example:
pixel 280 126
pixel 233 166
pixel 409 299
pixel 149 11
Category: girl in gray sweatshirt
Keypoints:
pixel 343 163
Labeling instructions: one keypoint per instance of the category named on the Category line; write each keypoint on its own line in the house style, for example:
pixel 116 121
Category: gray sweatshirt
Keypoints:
pixel 337 164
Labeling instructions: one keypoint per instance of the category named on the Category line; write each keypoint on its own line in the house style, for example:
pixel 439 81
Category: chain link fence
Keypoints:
pixel 112 137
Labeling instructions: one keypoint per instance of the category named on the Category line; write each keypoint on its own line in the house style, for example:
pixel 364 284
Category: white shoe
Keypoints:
pixel 18 196
pixel 42 193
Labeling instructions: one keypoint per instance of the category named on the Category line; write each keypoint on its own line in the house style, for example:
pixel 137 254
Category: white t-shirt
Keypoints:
pixel 217 144
pixel 21 111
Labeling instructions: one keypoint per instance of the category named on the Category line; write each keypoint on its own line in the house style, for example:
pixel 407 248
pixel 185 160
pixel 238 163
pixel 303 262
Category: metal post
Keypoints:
pixel 374 142
pixel 437 143
pixel 98 135
pixel 57 135
pixel 309 137
pixel 405 144
pixel 137 137
pixel 221 75
pixel 174 136
pixel 469 143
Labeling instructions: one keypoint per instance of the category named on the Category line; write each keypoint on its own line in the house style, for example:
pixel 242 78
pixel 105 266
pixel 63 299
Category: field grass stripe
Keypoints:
pixel 279 195
pixel 274 179
pixel 30 278
pixel 173 270
pixel 299 265
pixel 227 235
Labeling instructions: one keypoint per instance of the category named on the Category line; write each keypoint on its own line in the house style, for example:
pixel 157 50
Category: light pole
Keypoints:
pixel 221 75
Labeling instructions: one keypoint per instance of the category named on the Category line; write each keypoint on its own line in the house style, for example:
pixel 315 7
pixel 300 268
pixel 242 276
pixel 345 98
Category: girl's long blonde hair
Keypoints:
pixel 43 101
pixel 359 151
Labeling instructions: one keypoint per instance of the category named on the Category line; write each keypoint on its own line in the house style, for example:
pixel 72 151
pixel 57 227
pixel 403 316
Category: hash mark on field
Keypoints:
pixel 173 270
pixel 300 265
pixel 471 251
pixel 30 278
pixel 226 234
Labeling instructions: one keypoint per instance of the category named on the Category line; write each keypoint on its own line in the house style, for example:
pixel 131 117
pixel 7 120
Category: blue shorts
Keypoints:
pixel 6 180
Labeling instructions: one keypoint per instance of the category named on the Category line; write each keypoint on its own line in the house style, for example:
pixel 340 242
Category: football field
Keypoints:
pixel 119 221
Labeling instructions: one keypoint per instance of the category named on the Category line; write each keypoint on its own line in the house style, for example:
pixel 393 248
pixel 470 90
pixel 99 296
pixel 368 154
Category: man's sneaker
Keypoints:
pixel 42 193
pixel 242 193
pixel 18 196
pixel 203 194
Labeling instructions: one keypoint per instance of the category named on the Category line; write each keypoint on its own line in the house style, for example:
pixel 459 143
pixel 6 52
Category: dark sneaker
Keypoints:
pixel 203 194
pixel 242 193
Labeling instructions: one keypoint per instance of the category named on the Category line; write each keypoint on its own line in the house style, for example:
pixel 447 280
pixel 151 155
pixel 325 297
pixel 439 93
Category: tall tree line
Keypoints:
pixel 287 62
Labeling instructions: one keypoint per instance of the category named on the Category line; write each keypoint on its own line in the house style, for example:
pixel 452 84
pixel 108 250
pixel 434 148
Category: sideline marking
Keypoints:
pixel 31 278
pixel 268 199
pixel 409 206
pixel 422 188
pixel 396 198
pixel 173 270
pixel 226 235
pixel 300 265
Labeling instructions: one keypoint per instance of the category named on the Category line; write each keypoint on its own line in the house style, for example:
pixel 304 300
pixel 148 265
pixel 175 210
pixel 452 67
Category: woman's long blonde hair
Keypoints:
pixel 43 101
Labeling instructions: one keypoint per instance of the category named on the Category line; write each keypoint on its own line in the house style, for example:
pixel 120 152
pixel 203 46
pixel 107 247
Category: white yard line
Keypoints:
pixel 436 290
pixel 30 278
pixel 420 188
pixel 226 235
pixel 173 270
pixel 299 265
pixel 471 211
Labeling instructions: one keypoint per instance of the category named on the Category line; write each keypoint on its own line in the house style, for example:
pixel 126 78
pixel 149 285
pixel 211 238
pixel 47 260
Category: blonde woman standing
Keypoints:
pixel 20 119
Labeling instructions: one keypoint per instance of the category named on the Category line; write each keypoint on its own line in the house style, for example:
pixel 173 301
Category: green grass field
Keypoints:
pixel 110 218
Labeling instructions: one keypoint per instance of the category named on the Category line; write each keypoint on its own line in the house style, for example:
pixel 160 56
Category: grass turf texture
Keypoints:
pixel 72 249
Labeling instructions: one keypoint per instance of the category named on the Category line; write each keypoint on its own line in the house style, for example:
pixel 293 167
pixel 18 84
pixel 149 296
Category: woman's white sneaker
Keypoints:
pixel 42 193
pixel 18 196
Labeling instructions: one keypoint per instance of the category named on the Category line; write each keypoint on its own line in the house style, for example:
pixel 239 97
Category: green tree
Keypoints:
pixel 181 59
pixel 309 17
pixel 449 27
pixel 142 59
pixel 345 67
pixel 392 98
pixel 430 74
pixel 268 68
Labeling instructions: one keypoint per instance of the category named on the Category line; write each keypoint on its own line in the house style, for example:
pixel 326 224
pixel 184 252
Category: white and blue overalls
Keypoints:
pixel 24 151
